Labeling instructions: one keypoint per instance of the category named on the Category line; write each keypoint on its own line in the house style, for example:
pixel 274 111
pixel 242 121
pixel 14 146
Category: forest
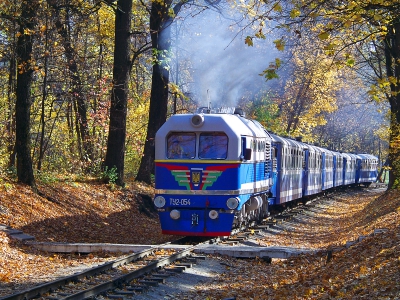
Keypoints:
pixel 86 84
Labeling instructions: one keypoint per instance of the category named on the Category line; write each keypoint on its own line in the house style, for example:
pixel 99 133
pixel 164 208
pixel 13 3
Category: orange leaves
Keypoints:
pixel 368 269
pixel 5 277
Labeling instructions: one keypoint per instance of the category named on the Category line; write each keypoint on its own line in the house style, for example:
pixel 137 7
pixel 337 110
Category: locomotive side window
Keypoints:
pixel 181 145
pixel 213 145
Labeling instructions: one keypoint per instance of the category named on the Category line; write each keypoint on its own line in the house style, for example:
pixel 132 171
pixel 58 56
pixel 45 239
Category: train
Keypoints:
pixel 216 170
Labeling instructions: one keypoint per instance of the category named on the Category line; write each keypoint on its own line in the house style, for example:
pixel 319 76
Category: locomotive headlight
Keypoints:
pixel 159 201
pixel 232 203
pixel 175 214
pixel 197 120
pixel 213 214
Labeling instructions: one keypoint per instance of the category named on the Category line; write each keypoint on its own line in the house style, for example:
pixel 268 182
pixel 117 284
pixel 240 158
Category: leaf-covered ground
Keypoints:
pixel 92 212
pixel 369 269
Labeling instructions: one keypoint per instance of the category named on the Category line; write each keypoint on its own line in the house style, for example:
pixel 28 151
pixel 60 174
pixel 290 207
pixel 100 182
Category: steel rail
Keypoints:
pixel 53 285
pixel 101 288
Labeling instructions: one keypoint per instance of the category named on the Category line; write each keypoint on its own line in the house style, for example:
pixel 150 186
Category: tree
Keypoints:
pixel 27 23
pixel 160 26
pixel 343 28
pixel 392 58
pixel 119 94
pixel 71 55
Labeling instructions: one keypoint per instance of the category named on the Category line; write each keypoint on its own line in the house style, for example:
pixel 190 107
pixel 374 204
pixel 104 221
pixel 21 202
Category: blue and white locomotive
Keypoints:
pixel 216 170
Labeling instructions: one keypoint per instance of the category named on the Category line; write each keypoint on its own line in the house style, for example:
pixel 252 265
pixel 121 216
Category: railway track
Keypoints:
pixel 117 279
pixel 241 235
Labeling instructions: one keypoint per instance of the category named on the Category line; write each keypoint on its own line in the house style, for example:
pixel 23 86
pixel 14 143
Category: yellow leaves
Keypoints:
pixel 259 34
pixel 277 7
pixel 393 80
pixel 351 5
pixel 28 31
pixel 294 13
pixel 270 72
pixel 278 63
pixel 378 17
pixel 330 47
pixel 347 23
pixel 279 44
pixel 374 93
pixel 323 35
pixel 383 82
pixel 248 41
pixel 350 62
pixel 175 90
pixel 171 12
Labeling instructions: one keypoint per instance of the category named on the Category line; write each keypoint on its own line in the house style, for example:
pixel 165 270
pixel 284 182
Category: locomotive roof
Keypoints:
pixel 234 126
pixel 233 123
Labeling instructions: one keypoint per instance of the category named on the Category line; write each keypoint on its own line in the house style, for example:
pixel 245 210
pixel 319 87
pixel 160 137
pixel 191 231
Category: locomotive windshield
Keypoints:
pixel 213 145
pixel 181 145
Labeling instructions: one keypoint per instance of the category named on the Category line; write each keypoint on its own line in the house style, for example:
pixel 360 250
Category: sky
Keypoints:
pixel 223 68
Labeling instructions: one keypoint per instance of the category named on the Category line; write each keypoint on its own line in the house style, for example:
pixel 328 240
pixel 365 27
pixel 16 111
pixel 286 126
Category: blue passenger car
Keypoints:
pixel 312 183
pixel 327 169
pixel 367 172
pixel 289 172
pixel 349 168
pixel 337 169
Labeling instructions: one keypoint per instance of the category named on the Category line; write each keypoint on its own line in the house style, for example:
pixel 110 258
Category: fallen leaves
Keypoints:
pixel 90 212
pixel 367 270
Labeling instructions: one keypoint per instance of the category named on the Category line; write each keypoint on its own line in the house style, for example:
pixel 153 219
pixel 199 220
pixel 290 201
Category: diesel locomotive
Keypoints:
pixel 216 170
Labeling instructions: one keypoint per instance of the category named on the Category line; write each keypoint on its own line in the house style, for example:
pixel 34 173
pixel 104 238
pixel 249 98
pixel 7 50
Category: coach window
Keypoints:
pixel 294 158
pixel 284 159
pixel 213 145
pixel 181 145
pixel 313 161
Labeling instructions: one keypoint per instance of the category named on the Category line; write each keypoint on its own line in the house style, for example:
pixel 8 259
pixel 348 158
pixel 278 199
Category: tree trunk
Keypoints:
pixel 119 97
pixel 392 55
pixel 43 110
pixel 77 93
pixel 159 23
pixel 10 123
pixel 27 24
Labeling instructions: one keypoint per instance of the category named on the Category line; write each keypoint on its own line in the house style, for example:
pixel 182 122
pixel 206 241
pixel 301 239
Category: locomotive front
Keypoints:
pixel 202 163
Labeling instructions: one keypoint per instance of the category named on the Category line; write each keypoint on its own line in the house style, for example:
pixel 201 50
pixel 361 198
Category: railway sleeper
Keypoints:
pixel 176 269
pixel 149 282
pixel 158 279
pixel 187 265
pixel 137 288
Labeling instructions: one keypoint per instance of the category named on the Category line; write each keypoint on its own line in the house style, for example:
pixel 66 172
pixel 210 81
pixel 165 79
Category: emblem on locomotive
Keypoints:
pixel 196 178
pixel 195 175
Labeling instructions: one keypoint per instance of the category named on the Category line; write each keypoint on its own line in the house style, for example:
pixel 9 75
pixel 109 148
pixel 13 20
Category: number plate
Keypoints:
pixel 175 201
